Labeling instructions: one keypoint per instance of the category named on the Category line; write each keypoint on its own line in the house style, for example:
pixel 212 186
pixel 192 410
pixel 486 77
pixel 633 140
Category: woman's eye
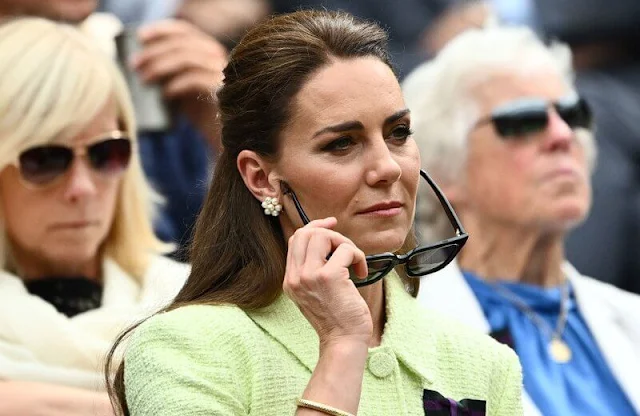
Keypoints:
pixel 401 133
pixel 342 143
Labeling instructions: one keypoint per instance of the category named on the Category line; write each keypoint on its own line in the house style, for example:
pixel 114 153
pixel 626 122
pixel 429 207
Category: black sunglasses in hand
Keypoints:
pixel 518 118
pixel 420 261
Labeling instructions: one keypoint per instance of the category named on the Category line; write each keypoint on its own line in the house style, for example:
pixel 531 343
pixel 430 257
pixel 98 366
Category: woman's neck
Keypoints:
pixel 374 296
pixel 504 252
pixel 32 267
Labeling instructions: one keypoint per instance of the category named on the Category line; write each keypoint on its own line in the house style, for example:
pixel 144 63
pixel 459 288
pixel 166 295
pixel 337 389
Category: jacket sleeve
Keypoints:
pixel 508 401
pixel 172 368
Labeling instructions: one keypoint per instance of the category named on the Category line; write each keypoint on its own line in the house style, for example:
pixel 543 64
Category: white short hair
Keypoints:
pixel 443 110
pixel 54 80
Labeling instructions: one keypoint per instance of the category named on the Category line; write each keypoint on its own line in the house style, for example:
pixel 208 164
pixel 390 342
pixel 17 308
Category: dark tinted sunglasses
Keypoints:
pixel 43 165
pixel 420 261
pixel 525 116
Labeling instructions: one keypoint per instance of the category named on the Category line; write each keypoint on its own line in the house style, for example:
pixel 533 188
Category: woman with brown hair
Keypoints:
pixel 282 314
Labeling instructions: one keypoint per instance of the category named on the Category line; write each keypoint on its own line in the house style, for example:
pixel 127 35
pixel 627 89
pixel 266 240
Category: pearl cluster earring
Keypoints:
pixel 271 206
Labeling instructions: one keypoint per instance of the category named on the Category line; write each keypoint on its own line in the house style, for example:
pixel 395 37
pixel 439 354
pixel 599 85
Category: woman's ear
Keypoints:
pixel 256 173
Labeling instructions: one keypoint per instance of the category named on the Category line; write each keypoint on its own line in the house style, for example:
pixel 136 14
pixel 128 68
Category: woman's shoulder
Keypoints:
pixel 194 334
pixel 591 287
pixel 194 323
pixel 196 356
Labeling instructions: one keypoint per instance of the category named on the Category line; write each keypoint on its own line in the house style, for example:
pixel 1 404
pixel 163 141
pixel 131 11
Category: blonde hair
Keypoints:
pixel 54 80
pixel 443 110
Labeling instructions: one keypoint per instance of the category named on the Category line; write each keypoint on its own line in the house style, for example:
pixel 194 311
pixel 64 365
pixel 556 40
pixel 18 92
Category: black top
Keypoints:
pixel 69 295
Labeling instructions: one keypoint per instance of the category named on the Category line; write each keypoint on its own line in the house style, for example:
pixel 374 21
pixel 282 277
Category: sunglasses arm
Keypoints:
pixel 451 214
pixel 286 190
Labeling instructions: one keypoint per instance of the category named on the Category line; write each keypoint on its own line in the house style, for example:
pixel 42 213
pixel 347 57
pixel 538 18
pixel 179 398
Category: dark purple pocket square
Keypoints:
pixel 435 404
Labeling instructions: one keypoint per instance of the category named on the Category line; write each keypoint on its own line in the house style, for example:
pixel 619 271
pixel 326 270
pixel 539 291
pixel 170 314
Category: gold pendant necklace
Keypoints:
pixel 558 350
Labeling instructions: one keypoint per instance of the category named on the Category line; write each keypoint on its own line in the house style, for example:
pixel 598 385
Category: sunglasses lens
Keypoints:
pixel 517 119
pixel 428 261
pixel 110 156
pixel 575 112
pixel 521 123
pixel 41 165
pixel 376 268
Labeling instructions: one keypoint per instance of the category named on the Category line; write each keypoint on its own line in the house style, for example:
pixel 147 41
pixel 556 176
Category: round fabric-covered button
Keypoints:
pixel 381 364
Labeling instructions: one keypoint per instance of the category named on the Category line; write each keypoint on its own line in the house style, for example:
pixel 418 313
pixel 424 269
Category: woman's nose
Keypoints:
pixel 384 168
pixel 558 135
pixel 80 182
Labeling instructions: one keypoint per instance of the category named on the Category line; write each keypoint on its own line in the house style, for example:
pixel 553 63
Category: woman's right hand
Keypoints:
pixel 322 289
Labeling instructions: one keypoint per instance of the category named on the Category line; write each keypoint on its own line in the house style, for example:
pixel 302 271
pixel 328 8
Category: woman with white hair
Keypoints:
pixel 78 257
pixel 501 128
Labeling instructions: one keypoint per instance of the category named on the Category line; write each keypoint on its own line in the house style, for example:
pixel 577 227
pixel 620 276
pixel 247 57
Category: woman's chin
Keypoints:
pixel 66 258
pixel 382 243
pixel 567 217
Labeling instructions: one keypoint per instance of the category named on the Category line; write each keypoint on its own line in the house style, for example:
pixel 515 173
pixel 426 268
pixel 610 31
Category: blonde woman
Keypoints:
pixel 79 259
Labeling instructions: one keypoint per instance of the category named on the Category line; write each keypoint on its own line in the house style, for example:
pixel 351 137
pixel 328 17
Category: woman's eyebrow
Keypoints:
pixel 397 116
pixel 336 128
pixel 356 125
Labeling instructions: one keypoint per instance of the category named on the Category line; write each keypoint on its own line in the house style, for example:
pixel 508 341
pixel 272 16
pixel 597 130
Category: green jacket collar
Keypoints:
pixel 408 331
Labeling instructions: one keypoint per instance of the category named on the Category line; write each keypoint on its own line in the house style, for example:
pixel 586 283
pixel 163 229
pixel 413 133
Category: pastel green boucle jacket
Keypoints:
pixel 220 360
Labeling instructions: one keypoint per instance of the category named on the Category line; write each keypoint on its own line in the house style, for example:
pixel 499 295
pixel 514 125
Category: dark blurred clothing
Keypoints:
pixel 70 296
pixel 606 245
pixel 177 163
pixel 405 20
pixel 583 21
